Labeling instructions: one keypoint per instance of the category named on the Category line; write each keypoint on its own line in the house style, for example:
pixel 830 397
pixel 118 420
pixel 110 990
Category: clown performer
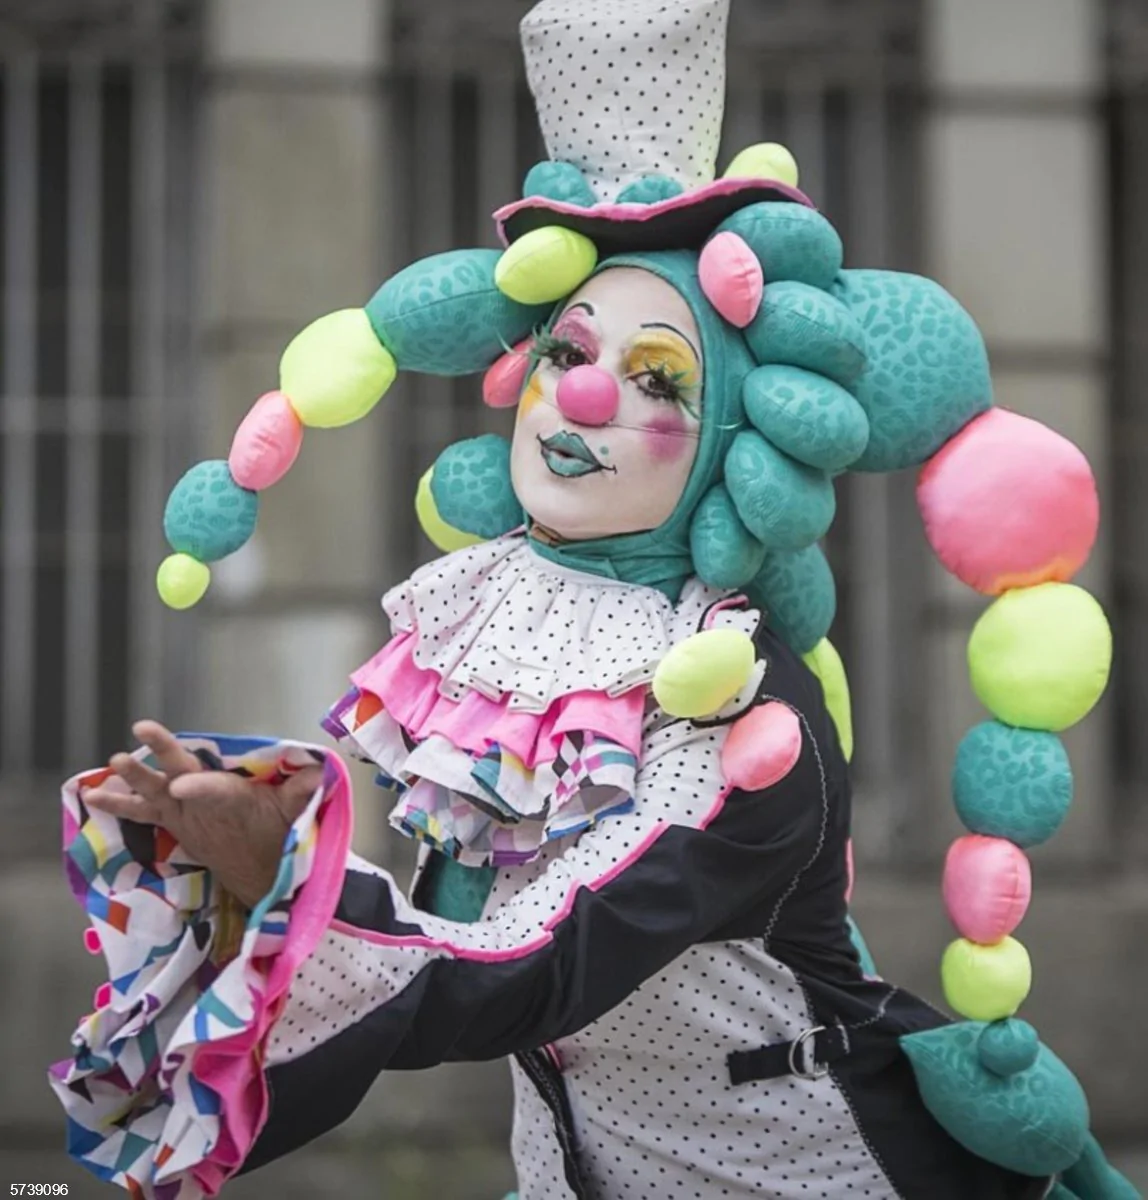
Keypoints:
pixel 610 714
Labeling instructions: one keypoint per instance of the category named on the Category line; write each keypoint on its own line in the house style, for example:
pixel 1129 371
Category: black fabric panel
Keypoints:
pixel 550 1085
pixel 681 228
pixel 918 1156
pixel 683 886
pixel 366 902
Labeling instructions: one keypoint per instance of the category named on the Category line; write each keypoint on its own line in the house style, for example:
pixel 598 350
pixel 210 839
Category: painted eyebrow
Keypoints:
pixel 673 329
pixel 581 304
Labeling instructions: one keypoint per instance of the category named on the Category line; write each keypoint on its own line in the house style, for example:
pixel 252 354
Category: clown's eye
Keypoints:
pixel 659 385
pixel 567 358
pixel 564 354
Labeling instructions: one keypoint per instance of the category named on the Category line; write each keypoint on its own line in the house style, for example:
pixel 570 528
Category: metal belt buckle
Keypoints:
pixel 809 1068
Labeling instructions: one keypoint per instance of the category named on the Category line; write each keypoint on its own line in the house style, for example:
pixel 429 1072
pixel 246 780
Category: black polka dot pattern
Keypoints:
pixel 657 1117
pixel 654 1113
pixel 340 983
pixel 537 1152
pixel 499 619
pixel 629 87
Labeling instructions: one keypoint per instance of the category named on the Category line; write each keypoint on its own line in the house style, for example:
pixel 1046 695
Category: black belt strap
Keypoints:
pixel 808 1056
pixel 552 1088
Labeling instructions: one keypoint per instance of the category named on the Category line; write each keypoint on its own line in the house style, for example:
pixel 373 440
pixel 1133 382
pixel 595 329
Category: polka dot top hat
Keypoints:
pixel 633 150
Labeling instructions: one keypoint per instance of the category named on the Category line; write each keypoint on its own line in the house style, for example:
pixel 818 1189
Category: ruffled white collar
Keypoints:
pixel 504 621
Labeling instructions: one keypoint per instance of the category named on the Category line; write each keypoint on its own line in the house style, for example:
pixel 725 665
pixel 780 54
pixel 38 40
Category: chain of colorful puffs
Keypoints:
pixel 1011 509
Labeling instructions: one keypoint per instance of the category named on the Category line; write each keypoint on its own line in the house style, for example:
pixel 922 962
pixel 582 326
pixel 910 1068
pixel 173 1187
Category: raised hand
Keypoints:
pixel 232 825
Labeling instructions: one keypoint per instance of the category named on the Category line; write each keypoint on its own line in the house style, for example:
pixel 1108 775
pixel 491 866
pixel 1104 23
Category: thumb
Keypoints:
pixel 296 791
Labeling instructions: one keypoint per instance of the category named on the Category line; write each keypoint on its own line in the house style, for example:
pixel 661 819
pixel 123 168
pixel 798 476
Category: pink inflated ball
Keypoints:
pixel 987 887
pixel 266 443
pixel 503 381
pixel 731 278
pixel 762 747
pixel 588 395
pixel 1009 503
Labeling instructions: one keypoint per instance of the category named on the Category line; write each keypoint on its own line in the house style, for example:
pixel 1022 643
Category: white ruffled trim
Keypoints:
pixel 501 620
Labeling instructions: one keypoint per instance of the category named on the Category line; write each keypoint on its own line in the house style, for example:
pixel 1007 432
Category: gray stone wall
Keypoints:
pixel 1014 209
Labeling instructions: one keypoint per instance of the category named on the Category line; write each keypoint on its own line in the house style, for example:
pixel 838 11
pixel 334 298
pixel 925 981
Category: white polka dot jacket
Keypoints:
pixel 659 943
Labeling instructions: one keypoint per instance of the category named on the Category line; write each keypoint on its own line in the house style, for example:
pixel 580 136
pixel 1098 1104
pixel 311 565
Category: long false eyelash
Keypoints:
pixel 546 344
pixel 678 380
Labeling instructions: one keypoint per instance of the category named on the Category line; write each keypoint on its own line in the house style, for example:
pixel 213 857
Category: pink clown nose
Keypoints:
pixel 588 395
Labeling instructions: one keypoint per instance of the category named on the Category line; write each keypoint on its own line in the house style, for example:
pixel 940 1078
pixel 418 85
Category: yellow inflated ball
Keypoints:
pixel 1039 657
pixel 336 370
pixel 701 674
pixel 545 264
pixel 444 536
pixel 182 580
pixel 824 661
pixel 986 983
pixel 766 160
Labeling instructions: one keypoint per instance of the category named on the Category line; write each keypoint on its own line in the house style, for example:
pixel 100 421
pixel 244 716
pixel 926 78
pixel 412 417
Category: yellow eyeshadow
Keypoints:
pixel 530 396
pixel 659 351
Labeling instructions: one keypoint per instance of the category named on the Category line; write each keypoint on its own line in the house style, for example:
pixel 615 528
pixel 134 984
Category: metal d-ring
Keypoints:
pixel 799 1043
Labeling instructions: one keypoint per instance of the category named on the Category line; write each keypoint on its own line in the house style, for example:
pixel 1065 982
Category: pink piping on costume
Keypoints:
pixel 420 941
pixel 717 806
pixel 472 954
pixel 735 601
pixel 231 1067
pixel 644 212
pixel 627 860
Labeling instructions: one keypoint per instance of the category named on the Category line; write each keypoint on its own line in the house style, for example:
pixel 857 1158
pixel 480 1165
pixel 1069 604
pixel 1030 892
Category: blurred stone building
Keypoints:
pixel 185 183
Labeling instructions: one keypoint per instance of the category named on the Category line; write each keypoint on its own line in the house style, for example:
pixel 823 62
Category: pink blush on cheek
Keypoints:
pixel 665 438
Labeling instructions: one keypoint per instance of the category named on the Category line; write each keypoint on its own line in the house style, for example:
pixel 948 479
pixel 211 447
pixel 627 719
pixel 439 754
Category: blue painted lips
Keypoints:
pixel 566 454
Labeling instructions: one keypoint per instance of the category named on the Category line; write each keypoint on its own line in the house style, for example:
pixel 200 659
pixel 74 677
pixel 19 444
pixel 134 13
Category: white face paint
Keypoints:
pixel 609 421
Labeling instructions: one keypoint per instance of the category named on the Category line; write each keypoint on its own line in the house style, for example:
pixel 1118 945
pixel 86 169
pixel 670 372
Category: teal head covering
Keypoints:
pixel 661 557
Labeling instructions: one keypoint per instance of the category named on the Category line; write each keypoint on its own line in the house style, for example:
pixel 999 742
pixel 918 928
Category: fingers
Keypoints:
pixel 294 794
pixel 173 759
pixel 128 808
pixel 298 789
pixel 207 786
pixel 144 780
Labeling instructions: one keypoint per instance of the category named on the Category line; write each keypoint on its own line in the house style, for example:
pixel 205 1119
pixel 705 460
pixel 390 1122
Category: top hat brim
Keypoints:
pixel 682 222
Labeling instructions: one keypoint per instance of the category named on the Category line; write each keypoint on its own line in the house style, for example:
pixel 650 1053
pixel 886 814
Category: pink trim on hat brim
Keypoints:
pixel 638 213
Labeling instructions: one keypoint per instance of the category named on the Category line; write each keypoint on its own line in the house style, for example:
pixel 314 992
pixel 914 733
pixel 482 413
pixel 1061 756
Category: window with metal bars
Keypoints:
pixel 97 225
pixel 1127 110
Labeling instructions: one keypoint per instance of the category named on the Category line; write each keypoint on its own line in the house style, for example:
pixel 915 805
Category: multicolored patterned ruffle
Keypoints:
pixel 164 1092
pixel 487 808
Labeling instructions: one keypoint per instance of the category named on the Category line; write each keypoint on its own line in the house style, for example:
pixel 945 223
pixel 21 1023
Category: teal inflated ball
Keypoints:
pixel 471 487
pixel 797 593
pixel 1091 1177
pixel 928 370
pixel 208 515
pixel 561 181
pixel 1007 1047
pixel 811 418
pixel 804 326
pixel 791 242
pixel 862 948
pixel 444 315
pixel 1034 1122
pixel 650 189
pixel 1012 783
pixel 782 502
pixel 725 553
